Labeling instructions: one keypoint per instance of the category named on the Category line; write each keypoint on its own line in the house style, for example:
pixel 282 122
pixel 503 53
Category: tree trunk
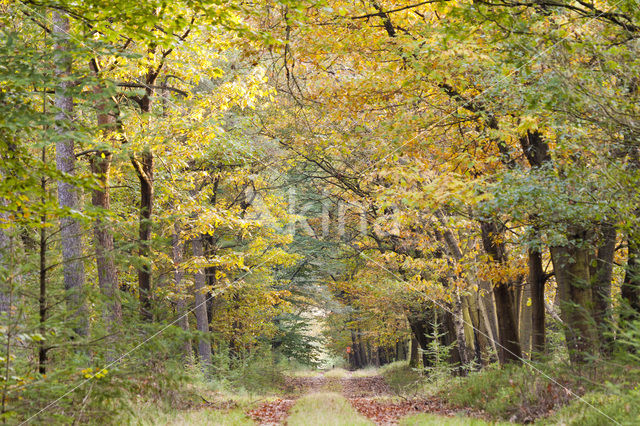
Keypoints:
pixel 144 170
pixel 414 359
pixel 488 311
pixel 461 338
pixel 42 297
pixel 451 335
pixel 459 322
pixel 525 321
pixel 601 277
pixel 630 289
pixel 509 347
pixel 5 264
pixel 571 266
pixel 536 282
pixel 478 330
pixel 536 150
pixel 70 228
pixel 101 198
pixel 357 353
pixel 177 249
pixel 107 276
pixel 202 321
pixel 361 346
pixel 419 325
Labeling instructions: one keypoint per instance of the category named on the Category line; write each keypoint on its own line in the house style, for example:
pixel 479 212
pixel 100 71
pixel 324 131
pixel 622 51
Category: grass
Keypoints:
pixel 432 420
pixel 330 409
pixel 521 393
pixel 185 405
pixel 404 380
pixel 598 408
pixel 516 393
pixel 305 373
pixel 148 416
pixel 336 373
pixel 366 372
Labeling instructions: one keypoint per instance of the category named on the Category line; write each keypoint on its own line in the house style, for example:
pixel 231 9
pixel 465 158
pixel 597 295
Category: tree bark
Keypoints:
pixel 202 321
pixel 451 243
pixel 509 350
pixel 536 281
pixel 361 346
pixel 42 296
pixel 144 170
pixel 101 199
pixel 601 277
pixel 177 254
pixel 414 359
pixel 461 339
pixel 630 289
pixel 419 324
pixel 357 353
pixel 479 333
pixel 488 311
pixel 571 266
pixel 70 228
pixel 5 265
pixel 488 319
pixel 536 150
pixel 450 336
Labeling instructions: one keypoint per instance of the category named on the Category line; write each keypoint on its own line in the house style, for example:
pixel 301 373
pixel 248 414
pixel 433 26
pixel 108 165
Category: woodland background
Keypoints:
pixel 229 189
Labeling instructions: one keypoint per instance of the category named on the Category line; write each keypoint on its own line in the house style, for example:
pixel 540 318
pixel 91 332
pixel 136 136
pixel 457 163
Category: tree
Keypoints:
pixel 68 193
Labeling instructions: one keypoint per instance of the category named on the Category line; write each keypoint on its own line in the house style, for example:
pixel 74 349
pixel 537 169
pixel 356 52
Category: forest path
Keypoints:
pixel 341 397
pixel 275 412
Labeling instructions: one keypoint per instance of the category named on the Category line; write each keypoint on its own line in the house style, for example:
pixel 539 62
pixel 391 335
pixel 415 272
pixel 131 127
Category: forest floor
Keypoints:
pixel 398 395
pixel 340 397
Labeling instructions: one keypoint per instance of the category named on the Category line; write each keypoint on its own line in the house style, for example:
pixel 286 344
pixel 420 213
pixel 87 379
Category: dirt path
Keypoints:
pixel 370 396
pixel 276 411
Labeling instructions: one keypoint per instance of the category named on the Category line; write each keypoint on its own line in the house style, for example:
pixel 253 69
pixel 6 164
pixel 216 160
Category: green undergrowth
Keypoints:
pixel 424 419
pixel 404 380
pixel 366 372
pixel 194 400
pixel 147 415
pixel 547 393
pixel 305 373
pixel 188 396
pixel 598 408
pixel 259 374
pixel 512 392
pixel 327 409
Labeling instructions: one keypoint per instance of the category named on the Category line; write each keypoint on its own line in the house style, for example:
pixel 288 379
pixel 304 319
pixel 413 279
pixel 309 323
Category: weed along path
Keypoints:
pixel 339 397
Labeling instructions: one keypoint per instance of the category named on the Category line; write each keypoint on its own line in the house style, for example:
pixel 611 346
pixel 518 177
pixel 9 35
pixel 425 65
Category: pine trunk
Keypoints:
pixel 101 198
pixel 68 198
pixel 5 266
